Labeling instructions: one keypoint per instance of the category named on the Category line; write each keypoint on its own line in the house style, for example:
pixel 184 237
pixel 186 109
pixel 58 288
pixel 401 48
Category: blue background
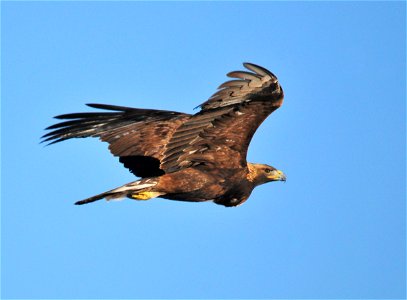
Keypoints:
pixel 335 229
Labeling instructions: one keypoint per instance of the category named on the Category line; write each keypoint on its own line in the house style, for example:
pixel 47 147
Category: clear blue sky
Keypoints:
pixel 335 229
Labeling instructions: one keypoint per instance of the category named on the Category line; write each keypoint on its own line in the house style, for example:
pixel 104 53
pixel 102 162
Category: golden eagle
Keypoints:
pixel 185 157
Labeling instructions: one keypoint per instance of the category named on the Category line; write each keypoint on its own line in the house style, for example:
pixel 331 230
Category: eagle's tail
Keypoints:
pixel 139 190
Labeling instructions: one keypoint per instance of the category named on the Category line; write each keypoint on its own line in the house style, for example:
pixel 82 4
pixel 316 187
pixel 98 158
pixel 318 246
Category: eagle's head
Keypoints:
pixel 260 173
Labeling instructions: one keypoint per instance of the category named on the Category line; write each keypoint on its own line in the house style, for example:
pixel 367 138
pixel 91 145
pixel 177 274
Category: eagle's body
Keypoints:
pixel 229 187
pixel 186 157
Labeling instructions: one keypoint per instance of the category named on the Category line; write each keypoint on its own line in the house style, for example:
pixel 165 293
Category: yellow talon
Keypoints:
pixel 145 195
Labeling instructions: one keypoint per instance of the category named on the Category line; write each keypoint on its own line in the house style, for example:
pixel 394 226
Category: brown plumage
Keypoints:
pixel 185 157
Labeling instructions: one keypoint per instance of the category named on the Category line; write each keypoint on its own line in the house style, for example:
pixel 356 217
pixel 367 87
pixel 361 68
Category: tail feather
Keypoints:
pixel 93 198
pixel 121 192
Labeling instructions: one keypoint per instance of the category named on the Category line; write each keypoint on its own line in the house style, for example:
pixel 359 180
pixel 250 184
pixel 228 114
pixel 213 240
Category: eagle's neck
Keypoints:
pixel 251 174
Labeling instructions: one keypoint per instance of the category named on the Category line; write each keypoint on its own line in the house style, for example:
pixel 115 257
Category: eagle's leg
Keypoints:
pixel 146 195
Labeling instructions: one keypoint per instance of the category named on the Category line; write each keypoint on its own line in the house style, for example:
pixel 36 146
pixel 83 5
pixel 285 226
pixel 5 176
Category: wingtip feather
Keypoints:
pixel 258 69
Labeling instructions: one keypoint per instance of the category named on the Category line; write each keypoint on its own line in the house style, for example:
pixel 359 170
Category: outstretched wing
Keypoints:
pixel 137 136
pixel 221 132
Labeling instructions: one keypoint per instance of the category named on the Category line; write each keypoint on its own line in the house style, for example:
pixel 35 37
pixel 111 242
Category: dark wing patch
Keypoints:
pixel 221 132
pixel 142 166
pixel 131 132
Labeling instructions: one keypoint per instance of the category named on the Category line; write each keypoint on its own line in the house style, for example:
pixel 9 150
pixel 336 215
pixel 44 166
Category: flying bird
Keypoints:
pixel 179 156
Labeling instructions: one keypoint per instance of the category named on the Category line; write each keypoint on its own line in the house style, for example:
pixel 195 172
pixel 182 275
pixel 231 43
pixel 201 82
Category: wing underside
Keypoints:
pixel 137 136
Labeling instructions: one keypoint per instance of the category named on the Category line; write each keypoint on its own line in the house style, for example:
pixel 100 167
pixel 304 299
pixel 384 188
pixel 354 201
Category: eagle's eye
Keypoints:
pixel 267 170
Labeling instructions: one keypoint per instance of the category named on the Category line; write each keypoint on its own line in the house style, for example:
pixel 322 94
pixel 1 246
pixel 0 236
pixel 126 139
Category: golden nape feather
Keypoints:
pixel 186 157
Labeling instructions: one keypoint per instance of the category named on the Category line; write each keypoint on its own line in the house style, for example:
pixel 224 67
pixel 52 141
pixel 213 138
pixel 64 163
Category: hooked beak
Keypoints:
pixel 277 175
